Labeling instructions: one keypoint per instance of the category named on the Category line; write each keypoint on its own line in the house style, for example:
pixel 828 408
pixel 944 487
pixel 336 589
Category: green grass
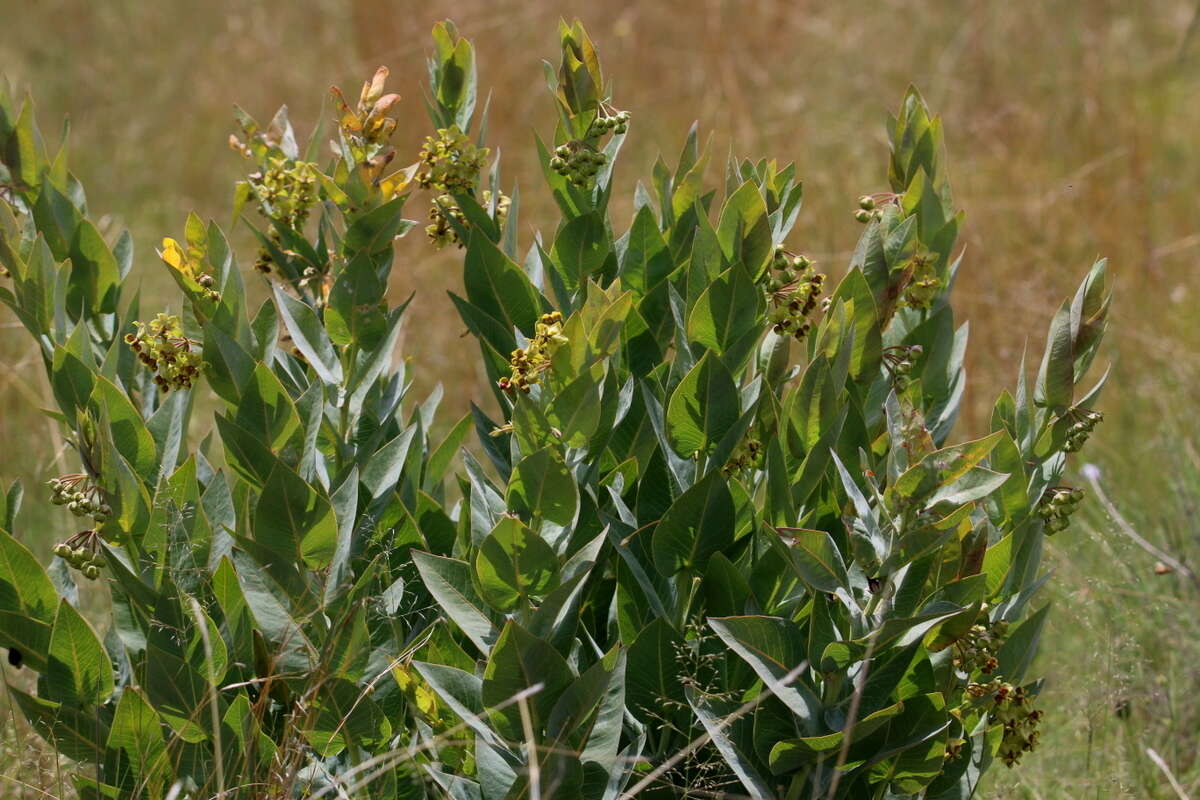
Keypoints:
pixel 1072 131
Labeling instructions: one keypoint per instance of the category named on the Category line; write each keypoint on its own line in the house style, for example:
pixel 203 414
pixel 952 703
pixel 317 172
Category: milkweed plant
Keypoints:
pixel 712 534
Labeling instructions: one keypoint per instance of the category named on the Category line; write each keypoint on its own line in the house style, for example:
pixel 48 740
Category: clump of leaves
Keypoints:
pixel 719 534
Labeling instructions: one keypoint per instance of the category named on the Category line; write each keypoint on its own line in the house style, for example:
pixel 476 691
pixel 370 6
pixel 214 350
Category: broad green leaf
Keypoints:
pixel 700 522
pixel 910 751
pixel 266 410
pixel 652 671
pixel 582 247
pixel 499 287
pixel 449 581
pixel 727 311
pixel 518 663
pixel 374 231
pixel 941 468
pixel 646 261
pixel 293 520
pixel 775 650
pixel 355 312
pixel 996 563
pixel 703 406
pixel 570 721
pixel 345 714
pixel 382 471
pixel 126 426
pixel 790 755
pixel 744 230
pixel 514 566
pixel 441 456
pixel 817 561
pixel 137 733
pixel 717 715
pixel 71 371
pixel 1055 386
pixel 1018 650
pixel 95 276
pixel 868 346
pixel 309 336
pixel 28 602
pixel 575 411
pixel 78 672
pixel 541 489
pixel 78 733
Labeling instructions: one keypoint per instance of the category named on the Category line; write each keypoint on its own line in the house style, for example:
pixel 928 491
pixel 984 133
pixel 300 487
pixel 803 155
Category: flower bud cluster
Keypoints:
pixel 793 289
pixel 616 123
pixel 81 497
pixel 579 160
pixel 748 455
pixel 978 648
pixel 443 209
pixel 867 210
pixel 368 126
pixel 529 362
pixel 1084 422
pixel 82 551
pixel 1057 506
pixel 450 163
pixel 870 206
pixel 899 362
pixel 162 347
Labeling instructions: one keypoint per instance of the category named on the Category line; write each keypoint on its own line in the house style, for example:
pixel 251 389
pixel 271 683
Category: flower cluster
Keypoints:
pixel 529 362
pixel 977 649
pixel 899 362
pixel 450 163
pixel 82 551
pixel 286 190
pixel 923 282
pixel 579 160
pixel 1084 421
pixel 443 209
pixel 162 347
pixel 748 455
pixel 793 288
pixel 1012 707
pixel 1057 506
pixel 80 496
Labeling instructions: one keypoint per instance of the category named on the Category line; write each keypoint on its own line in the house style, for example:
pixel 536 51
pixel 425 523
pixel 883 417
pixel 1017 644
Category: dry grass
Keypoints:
pixel 1071 127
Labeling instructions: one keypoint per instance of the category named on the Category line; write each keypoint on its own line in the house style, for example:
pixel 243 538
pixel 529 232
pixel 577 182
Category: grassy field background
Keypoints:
pixel 1072 127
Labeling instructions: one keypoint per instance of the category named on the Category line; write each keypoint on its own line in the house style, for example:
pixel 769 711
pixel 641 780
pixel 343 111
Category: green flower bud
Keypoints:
pixel 862 216
pixel 866 203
